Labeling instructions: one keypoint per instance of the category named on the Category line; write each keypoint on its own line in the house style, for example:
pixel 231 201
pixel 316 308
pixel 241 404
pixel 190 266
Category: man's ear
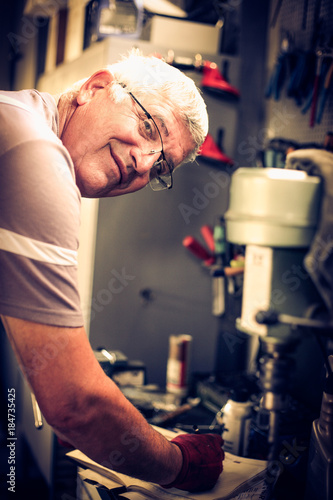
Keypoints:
pixel 97 81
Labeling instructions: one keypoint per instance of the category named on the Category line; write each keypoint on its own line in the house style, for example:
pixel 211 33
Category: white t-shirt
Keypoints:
pixel 39 214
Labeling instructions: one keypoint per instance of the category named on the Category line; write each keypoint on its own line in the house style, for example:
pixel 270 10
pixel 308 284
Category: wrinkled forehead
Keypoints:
pixel 164 113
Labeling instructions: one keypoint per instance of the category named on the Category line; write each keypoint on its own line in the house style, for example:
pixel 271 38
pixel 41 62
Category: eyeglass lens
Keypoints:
pixel 149 133
pixel 160 176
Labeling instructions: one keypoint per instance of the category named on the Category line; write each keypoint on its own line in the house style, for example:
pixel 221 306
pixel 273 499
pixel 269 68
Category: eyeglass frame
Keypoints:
pixel 160 180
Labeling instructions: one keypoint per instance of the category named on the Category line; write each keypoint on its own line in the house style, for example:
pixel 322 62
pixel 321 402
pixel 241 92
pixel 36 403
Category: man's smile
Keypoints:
pixel 122 169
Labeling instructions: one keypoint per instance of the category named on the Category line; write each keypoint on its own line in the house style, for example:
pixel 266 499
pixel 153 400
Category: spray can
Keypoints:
pixel 236 418
pixel 178 364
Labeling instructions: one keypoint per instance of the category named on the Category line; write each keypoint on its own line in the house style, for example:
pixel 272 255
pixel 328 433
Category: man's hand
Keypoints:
pixel 202 461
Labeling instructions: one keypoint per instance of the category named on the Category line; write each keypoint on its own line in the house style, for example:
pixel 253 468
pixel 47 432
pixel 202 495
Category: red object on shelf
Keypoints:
pixel 197 249
pixel 208 235
pixel 214 81
pixel 211 151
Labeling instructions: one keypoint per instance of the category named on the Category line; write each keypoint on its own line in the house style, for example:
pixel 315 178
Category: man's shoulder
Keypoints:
pixel 29 145
pixel 28 117
pixel 39 102
pixel 32 105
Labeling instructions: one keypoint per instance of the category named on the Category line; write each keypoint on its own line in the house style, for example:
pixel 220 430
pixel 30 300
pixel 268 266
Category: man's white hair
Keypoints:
pixel 144 75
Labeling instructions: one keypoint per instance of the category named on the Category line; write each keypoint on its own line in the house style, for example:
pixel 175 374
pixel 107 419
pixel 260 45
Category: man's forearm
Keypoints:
pixel 114 433
pixel 85 407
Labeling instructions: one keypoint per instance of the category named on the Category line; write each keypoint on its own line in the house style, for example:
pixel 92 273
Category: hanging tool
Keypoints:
pixel 325 91
pixel 301 79
pixel 315 88
pixel 309 99
pixel 282 68
pixel 211 256
pixel 208 235
pixel 217 270
pixel 215 241
pixel 277 79
pixel 198 250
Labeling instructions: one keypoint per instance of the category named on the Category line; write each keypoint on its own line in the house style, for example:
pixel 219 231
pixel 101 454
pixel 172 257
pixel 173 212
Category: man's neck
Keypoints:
pixel 66 109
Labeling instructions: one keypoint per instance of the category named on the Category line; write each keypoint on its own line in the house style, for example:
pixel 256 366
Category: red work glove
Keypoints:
pixel 202 461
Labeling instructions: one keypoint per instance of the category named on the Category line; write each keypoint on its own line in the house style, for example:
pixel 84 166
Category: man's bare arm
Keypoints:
pixel 84 406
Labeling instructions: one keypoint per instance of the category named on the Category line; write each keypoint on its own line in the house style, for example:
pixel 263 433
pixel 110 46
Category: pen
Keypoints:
pixel 37 413
pixel 197 429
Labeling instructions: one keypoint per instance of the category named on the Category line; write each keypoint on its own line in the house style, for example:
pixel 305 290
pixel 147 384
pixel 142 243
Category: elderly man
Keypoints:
pixel 126 126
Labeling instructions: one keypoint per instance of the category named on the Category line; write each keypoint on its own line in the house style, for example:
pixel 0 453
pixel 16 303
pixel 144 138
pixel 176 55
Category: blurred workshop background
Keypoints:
pixel 263 60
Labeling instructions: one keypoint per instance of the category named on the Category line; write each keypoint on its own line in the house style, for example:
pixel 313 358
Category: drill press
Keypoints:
pixel 274 213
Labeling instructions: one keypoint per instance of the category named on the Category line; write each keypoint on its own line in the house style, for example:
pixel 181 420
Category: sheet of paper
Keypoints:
pixel 237 471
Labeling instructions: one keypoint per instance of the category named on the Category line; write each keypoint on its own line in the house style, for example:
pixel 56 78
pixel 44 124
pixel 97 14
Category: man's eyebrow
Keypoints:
pixel 164 129
pixel 163 125
pixel 166 133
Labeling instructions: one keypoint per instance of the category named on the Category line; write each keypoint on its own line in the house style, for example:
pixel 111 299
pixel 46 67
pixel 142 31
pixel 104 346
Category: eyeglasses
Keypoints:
pixel 160 175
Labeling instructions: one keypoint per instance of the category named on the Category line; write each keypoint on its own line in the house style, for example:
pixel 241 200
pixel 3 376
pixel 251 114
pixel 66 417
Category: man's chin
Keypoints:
pixel 92 190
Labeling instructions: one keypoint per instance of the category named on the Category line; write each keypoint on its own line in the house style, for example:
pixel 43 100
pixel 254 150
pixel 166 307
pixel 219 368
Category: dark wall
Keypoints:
pixel 10 15
pixel 168 290
pixel 164 290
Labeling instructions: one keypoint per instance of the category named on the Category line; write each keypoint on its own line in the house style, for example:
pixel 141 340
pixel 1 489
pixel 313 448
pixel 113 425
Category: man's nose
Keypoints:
pixel 144 162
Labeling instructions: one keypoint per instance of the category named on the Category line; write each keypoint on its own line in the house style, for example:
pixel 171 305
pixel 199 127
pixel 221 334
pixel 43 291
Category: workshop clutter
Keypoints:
pixel 215 82
pixel 304 76
pixel 274 154
pixel 213 152
pixel 178 365
pixel 226 271
pixel 117 366
pixel 236 418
